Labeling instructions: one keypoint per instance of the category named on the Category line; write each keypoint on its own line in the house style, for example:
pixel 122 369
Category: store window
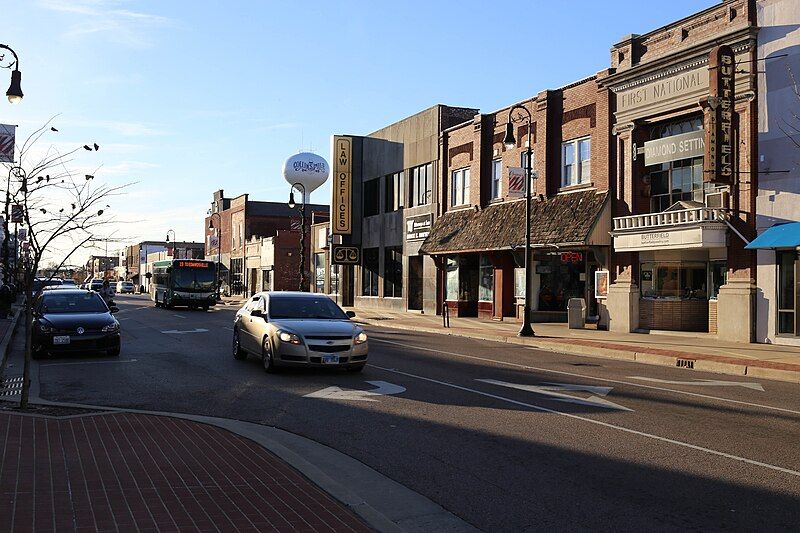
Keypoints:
pixel 787 305
pixel 393 272
pixel 461 277
pixel 319 272
pixel 334 275
pixel 576 162
pixel 562 276
pixel 459 187
pixel 486 279
pixel 719 275
pixel 394 191
pixel 497 178
pixel 674 280
pixel 451 278
pixel 372 203
pixel 369 272
pixel 420 185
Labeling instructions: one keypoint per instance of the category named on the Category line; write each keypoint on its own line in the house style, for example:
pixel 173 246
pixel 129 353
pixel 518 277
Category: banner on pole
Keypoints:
pixel 7 143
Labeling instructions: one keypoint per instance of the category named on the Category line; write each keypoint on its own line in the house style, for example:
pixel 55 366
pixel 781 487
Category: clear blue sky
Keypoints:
pixel 186 97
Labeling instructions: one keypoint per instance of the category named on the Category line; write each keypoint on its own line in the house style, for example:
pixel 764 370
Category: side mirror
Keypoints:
pixel 113 309
pixel 256 312
pixel 350 314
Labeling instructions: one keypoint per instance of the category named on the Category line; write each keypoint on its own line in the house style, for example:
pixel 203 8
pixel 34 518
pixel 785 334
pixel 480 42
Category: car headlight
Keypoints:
pixel 111 328
pixel 46 328
pixel 361 338
pixel 291 338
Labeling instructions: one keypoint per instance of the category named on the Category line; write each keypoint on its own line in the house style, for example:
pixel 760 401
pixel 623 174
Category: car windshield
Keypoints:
pixel 83 302
pixel 320 307
pixel 194 278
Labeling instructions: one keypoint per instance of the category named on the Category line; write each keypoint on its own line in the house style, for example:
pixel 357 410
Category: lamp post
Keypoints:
pixel 14 92
pixel 510 142
pixel 219 246
pixel 174 240
pixel 302 190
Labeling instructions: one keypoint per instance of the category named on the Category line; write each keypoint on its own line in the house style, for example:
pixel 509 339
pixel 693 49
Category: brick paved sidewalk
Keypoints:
pixel 133 472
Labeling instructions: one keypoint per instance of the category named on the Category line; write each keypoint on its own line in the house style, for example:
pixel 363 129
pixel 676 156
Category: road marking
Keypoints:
pixel 551 390
pixel 227 327
pixel 607 380
pixel 337 393
pixel 705 383
pixel 90 362
pixel 178 316
pixel 596 422
pixel 181 332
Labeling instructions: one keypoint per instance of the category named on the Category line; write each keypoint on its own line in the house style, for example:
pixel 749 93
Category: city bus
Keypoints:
pixel 189 282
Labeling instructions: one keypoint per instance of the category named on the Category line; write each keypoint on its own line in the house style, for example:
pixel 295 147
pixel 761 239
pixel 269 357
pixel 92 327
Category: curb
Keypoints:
pixel 5 344
pixel 382 503
pixel 700 362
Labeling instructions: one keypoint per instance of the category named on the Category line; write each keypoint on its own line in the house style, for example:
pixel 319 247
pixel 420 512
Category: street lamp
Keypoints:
pixel 174 240
pixel 302 208
pixel 219 245
pixel 510 142
pixel 14 92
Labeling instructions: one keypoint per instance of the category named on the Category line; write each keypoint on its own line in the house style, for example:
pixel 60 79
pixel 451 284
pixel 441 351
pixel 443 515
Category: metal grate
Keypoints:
pixel 685 363
pixel 11 386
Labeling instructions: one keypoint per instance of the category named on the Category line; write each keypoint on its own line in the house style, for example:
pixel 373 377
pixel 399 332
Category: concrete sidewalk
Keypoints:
pixel 697 350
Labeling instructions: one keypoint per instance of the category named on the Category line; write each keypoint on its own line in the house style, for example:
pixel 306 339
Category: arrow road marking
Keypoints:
pixel 551 390
pixel 705 383
pixel 337 393
pixel 181 332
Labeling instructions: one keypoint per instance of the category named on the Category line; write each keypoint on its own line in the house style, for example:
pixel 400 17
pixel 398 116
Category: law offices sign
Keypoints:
pixel 342 205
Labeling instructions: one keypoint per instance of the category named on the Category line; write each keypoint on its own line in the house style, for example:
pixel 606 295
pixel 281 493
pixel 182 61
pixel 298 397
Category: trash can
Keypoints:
pixel 576 313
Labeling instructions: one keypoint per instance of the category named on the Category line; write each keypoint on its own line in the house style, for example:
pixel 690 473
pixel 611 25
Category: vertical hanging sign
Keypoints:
pixel 719 120
pixel 7 137
pixel 342 204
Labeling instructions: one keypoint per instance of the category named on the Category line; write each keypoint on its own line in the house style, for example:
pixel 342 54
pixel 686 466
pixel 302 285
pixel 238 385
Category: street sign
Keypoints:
pixel 345 255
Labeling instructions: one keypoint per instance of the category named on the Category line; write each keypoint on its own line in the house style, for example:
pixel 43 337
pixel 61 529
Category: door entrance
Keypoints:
pixel 415 282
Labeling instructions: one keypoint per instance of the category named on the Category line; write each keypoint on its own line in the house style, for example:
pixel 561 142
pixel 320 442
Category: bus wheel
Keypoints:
pixel 155 299
pixel 205 308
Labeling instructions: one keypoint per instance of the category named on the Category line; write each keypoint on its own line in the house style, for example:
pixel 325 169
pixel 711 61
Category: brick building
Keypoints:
pixel 478 239
pixel 232 223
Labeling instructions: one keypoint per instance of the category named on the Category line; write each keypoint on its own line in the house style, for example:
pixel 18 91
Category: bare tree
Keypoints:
pixel 62 212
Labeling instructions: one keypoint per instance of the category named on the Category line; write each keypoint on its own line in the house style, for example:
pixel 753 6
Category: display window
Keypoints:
pixel 674 280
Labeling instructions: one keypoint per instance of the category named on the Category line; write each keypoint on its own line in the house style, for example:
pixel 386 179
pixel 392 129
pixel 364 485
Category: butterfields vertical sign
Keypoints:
pixel 342 205
pixel 720 119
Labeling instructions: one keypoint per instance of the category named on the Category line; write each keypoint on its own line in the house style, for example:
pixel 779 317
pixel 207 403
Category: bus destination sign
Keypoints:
pixel 193 264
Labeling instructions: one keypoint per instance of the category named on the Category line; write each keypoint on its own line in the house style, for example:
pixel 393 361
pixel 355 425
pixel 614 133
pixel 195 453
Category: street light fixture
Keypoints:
pixel 302 208
pixel 174 240
pixel 14 92
pixel 510 142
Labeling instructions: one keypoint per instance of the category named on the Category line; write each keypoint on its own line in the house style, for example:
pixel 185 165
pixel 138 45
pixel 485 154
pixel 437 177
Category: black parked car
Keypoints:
pixel 74 321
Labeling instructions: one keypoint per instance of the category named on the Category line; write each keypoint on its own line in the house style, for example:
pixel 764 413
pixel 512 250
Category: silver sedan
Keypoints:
pixel 298 329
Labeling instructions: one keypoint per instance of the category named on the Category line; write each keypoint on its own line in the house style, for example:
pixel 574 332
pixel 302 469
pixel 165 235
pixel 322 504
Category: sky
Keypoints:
pixel 186 97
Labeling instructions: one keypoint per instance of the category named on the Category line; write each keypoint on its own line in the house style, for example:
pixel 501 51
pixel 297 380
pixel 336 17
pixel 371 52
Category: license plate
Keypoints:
pixel 61 339
pixel 330 359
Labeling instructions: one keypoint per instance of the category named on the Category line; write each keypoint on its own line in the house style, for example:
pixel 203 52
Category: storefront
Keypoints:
pixel 480 254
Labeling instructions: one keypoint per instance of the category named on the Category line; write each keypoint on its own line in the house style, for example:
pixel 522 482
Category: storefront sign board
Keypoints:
pixel 720 116
pixel 668 88
pixel 601 284
pixel 674 148
pixel 342 204
pixel 706 236
pixel 419 227
pixel 345 255
pixel 516 182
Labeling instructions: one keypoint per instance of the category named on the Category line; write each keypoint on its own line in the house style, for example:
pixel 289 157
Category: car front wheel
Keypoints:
pixel 267 357
pixel 238 353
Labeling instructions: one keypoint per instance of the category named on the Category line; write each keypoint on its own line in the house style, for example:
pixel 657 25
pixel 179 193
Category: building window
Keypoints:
pixel 420 185
pixel 675 181
pixel 334 273
pixel 393 272
pixel 394 192
pixel 719 275
pixel 497 178
pixel 369 272
pixel 786 292
pixel 319 272
pixel 459 187
pixel 372 199
pixel 674 280
pixel 486 277
pixel 576 158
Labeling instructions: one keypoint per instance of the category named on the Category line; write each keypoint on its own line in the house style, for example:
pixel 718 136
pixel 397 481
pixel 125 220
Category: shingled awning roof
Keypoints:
pixel 563 220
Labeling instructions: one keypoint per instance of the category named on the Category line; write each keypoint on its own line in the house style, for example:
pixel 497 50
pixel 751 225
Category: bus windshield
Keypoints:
pixel 193 278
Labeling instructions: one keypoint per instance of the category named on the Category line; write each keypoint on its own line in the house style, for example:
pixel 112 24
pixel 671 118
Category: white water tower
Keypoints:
pixel 307 169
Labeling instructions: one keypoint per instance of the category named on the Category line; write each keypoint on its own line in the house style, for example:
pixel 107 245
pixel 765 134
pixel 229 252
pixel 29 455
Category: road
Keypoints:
pixel 506 437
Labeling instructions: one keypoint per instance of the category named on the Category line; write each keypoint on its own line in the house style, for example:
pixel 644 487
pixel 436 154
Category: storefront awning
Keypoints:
pixel 575 219
pixel 778 236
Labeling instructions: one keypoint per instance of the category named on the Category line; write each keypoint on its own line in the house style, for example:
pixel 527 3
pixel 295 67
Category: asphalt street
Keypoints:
pixel 506 437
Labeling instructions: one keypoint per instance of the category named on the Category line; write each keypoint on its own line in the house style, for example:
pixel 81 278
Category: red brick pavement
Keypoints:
pixel 131 472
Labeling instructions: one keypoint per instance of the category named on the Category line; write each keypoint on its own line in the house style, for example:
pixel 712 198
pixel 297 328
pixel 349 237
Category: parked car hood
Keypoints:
pixel 73 320
pixel 317 326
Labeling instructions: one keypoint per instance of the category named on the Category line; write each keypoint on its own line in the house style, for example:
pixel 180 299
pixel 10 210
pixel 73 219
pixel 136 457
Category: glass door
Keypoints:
pixel 787 293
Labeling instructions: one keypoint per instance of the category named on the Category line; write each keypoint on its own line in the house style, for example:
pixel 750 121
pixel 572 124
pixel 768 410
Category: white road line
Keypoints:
pixel 596 422
pixel 89 363
pixel 585 376
pixel 178 316
pixel 227 327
